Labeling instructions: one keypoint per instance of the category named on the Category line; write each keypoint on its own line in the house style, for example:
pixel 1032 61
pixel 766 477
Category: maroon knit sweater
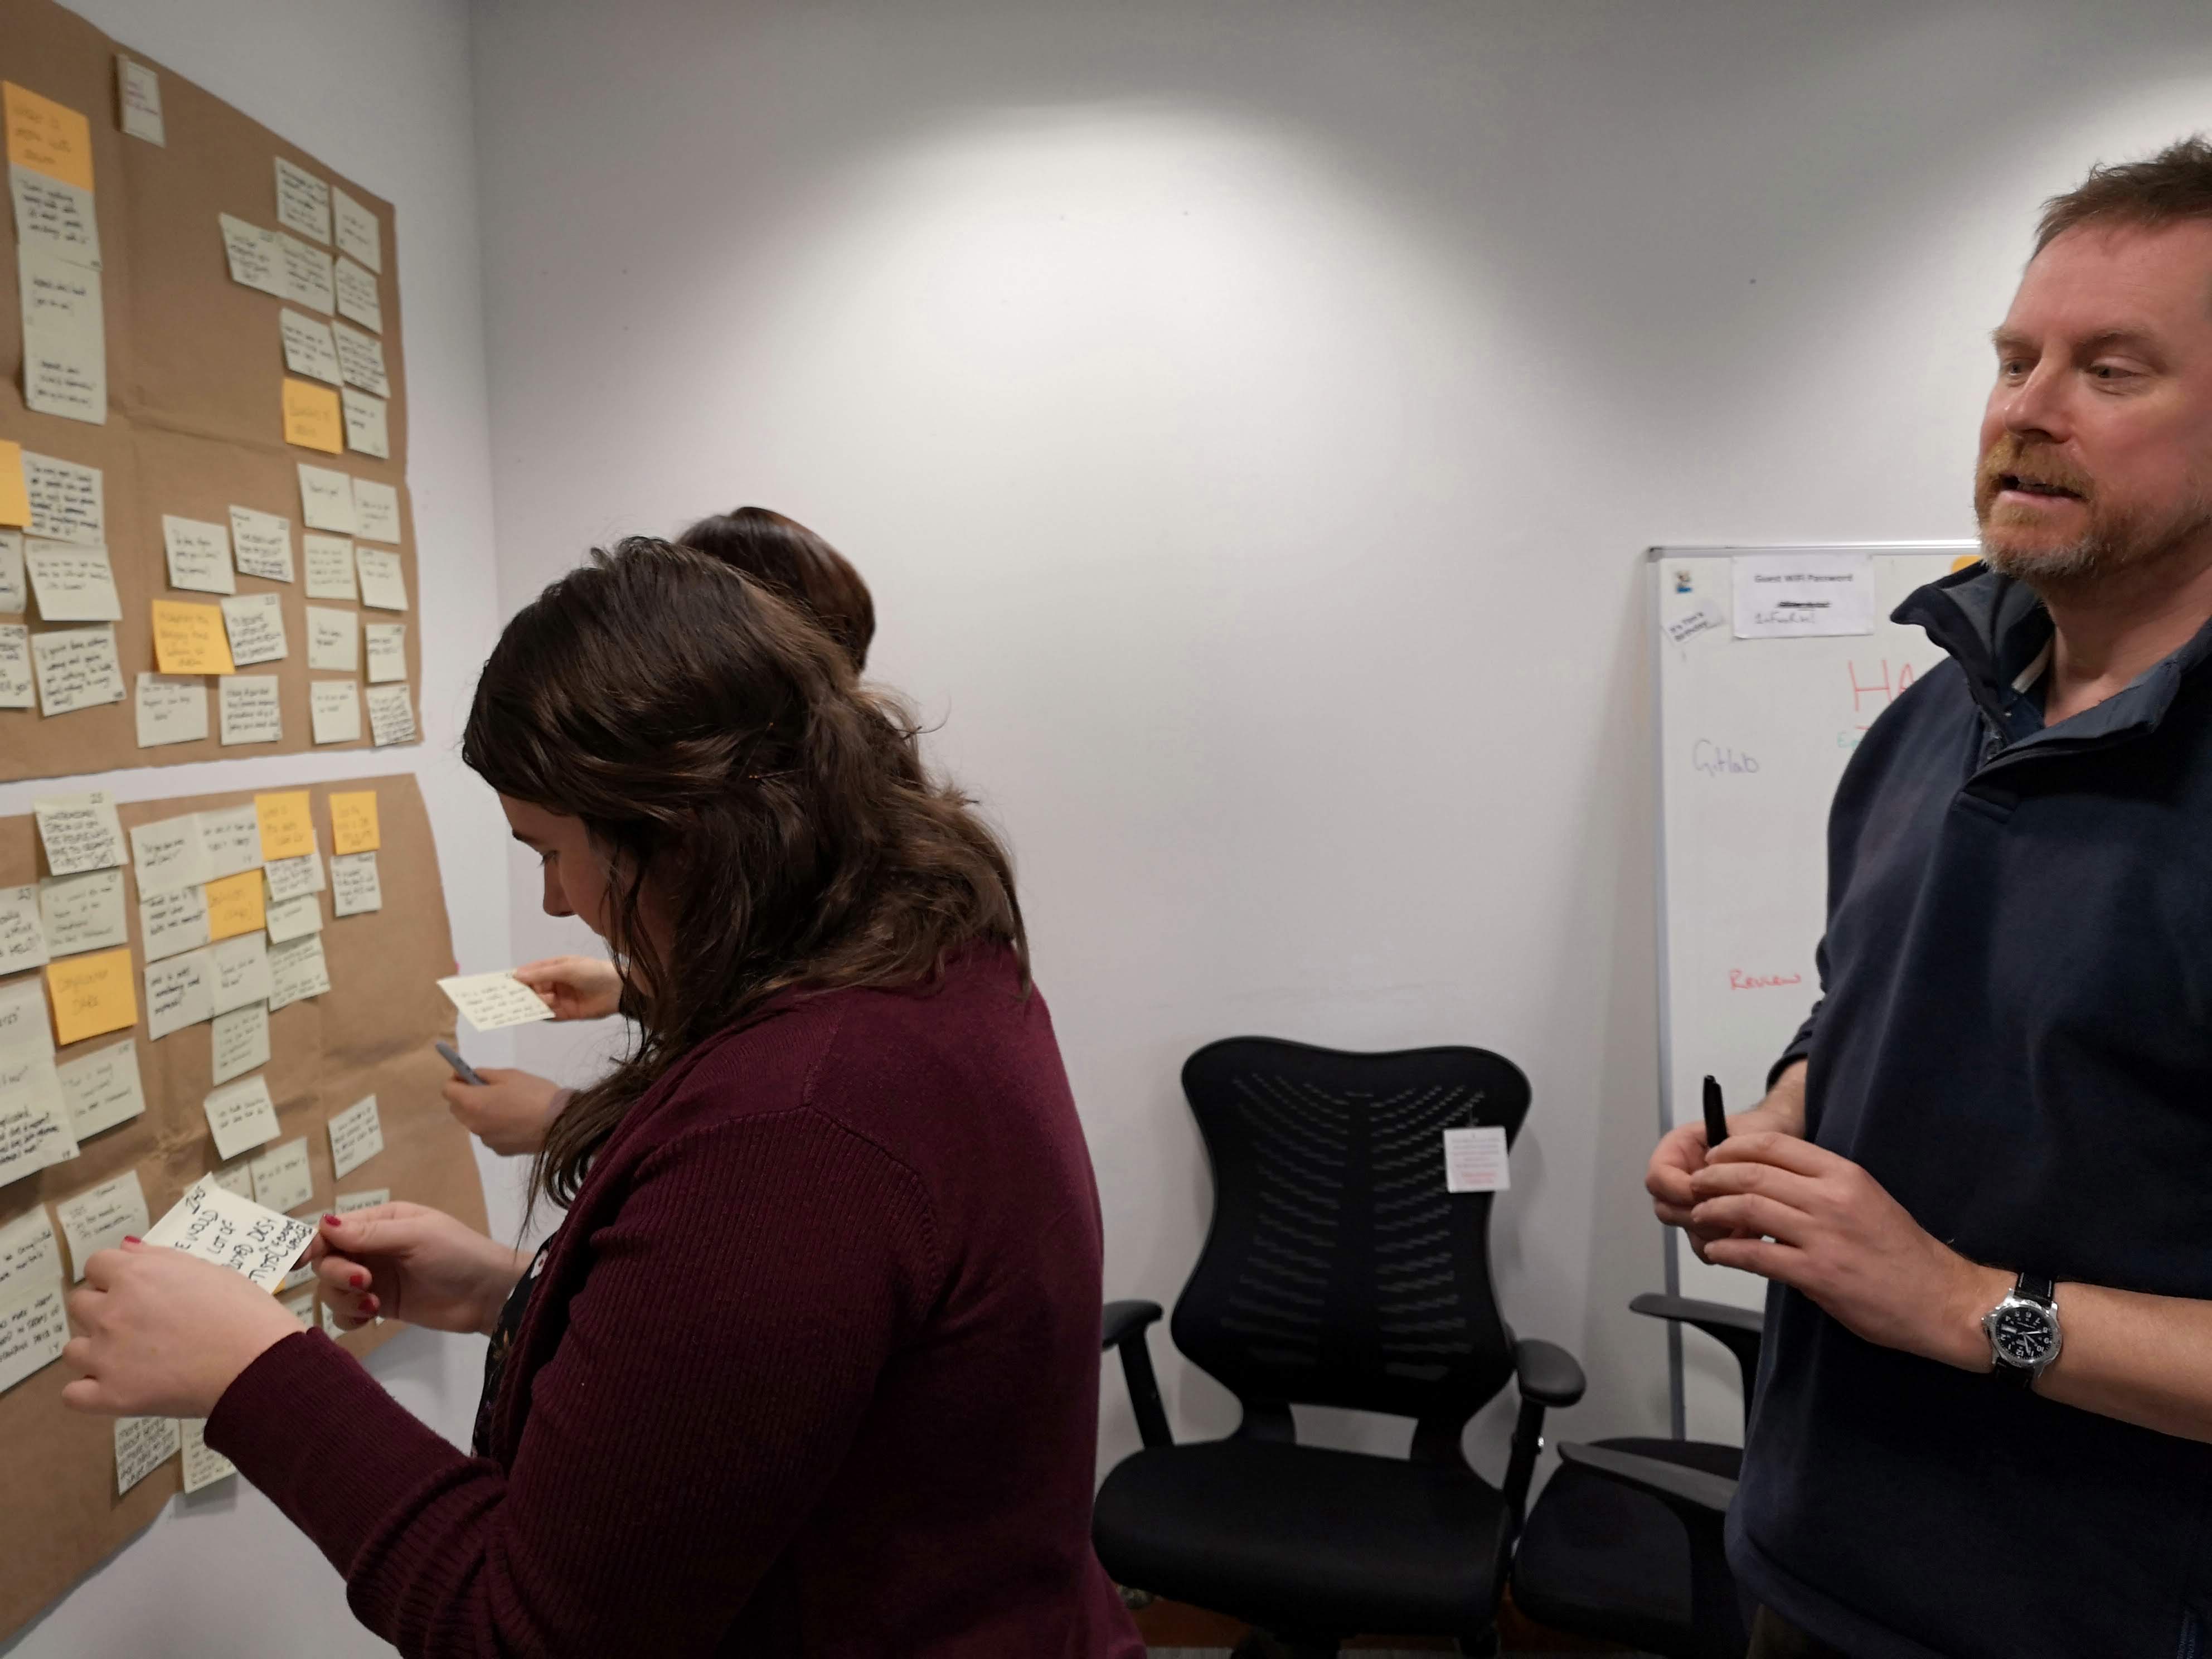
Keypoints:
pixel 812 1367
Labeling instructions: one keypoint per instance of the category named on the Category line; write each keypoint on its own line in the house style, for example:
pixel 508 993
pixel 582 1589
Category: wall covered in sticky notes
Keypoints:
pixel 196 316
pixel 305 1055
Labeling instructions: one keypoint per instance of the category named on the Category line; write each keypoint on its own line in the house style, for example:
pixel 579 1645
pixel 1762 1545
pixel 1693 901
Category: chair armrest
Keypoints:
pixel 1547 1373
pixel 1127 1319
pixel 1674 1484
pixel 1737 1329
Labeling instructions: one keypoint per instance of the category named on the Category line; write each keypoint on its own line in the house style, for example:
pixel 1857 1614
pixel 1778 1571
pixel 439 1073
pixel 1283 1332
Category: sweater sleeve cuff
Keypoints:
pixel 317 1433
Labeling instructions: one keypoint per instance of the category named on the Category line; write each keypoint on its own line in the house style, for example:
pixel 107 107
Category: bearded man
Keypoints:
pixel 1981 1182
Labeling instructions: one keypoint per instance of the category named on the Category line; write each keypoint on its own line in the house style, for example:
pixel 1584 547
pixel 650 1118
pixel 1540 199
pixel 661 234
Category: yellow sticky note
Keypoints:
pixel 235 905
pixel 92 995
pixel 190 639
pixel 313 419
pixel 14 497
pixel 50 138
pixel 353 823
pixel 286 829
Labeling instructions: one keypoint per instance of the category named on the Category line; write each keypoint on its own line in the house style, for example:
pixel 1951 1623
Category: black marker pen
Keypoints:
pixel 1716 1119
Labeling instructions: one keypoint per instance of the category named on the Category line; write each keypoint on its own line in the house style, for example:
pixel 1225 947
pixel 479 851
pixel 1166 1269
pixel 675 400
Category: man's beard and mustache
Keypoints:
pixel 2015 543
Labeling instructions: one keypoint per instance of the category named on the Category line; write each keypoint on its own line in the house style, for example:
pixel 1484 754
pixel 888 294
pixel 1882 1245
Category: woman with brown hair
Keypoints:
pixel 810 1365
pixel 511 1110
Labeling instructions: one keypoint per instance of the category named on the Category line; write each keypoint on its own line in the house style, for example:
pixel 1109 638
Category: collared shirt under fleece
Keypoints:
pixel 2014 1038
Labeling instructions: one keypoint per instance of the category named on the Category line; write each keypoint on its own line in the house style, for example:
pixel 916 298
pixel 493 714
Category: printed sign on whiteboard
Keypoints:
pixel 1785 595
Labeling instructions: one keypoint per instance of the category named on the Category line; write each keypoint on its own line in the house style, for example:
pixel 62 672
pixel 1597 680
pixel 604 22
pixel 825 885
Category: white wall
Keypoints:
pixel 380 93
pixel 1250 416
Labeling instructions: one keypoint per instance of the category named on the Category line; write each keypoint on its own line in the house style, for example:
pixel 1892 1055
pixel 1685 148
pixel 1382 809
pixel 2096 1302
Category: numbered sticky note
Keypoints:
pixel 494 1000
pixel 235 905
pixel 93 995
pixel 353 822
pixel 287 828
pixel 191 639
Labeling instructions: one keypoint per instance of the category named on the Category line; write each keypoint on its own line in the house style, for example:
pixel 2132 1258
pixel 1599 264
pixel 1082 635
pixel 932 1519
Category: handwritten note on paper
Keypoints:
pixel 297 970
pixel 242 1044
pixel 23 1017
pixel 101 1219
pixel 353 822
pixel 494 1001
pixel 330 565
pixel 333 640
pixel 169 854
pixel 360 360
pixel 35 1120
pixel 376 511
pixel 391 716
pixel 203 1465
pixel 246 709
pixel 171 708
pixel 354 888
pixel 235 907
pixel 102 1089
pixel 139 91
pixel 189 639
pixel 69 502
pixel 288 878
pixel 216 1225
pixel 28 1253
pixel 287 820
pixel 356 296
pixel 232 835
pixel 73 583
pixel 303 201
pixel 334 711
pixel 54 217
pixel 356 1136
pixel 179 992
pixel 143 1445
pixel 15 590
pixel 365 428
pixel 92 995
pixel 368 1199
pixel 240 967
pixel 1800 595
pixel 47 138
pixel 15 665
pixel 326 499
pixel 308 349
pixel 22 933
pixel 171 923
pixel 282 1179
pixel 255 623
pixel 76 668
pixel 382 586
pixel 34 1330
pixel 83 912
pixel 257 259
pixel 387 651
pixel 360 237
pixel 312 418
pixel 79 832
pixel 263 543
pixel 305 274
pixel 294 919
pixel 64 337
pixel 242 1117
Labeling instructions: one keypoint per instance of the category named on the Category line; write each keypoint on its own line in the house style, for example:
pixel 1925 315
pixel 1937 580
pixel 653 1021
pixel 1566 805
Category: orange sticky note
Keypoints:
pixel 353 823
pixel 14 497
pixel 235 905
pixel 286 829
pixel 312 416
pixel 48 138
pixel 92 995
pixel 190 639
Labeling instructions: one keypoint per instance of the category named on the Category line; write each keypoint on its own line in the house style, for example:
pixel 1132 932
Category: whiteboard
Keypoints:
pixel 1754 735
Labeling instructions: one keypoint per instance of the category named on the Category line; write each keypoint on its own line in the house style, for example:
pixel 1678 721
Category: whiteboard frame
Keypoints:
pixel 1653 557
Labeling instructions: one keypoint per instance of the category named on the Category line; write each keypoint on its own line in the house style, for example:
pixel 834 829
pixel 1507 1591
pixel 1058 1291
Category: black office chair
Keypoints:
pixel 1337 1271
pixel 1626 1542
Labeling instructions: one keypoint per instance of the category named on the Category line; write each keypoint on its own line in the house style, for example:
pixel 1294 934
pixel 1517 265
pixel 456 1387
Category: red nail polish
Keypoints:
pixel 130 1238
pixel 359 1281
pixel 330 1221
pixel 368 1306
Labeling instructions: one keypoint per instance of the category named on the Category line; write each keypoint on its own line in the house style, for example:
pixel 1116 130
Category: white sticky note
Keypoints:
pixel 232 836
pixel 79 832
pixel 23 1023
pixel 359 236
pixel 35 1130
pixel 239 968
pixel 294 919
pixel 235 1176
pixel 241 1040
pixel 330 567
pixel 288 878
pixel 347 1203
pixel 361 361
pixel 303 201
pixel 375 511
pixel 169 854
pixel 138 90
pixel 391 716
pixel 65 336
pixel 354 888
pixel 365 427
pixel 387 652
pixel 68 502
pixel 282 1179
pixel 15 586
pixel 101 1219
pixel 242 1117
pixel 29 1254
pixel 261 543
pixel 383 586
pixel 71 583
pixel 356 1136
pixel 34 1330
pixel 15 691
pixel 248 710
pixel 143 1445
pixel 356 296
pixel 171 708
pixel 23 931
pixel 1803 595
pixel 257 260
pixel 308 349
pixel 83 912
pixel 326 499
pixel 179 992
pixel 198 553
pixel 255 623
pixel 305 274
pixel 172 922
pixel 333 640
pixel 1475 1160
pixel 492 1001
pixel 54 216
pixel 102 1089
pixel 76 668
pixel 216 1225
pixel 297 970
pixel 203 1465
pixel 334 709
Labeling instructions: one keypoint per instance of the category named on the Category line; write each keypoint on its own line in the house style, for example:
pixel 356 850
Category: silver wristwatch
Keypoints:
pixel 2023 1331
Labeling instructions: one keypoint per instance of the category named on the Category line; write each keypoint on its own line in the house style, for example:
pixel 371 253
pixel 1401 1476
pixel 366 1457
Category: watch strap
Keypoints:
pixel 2037 1287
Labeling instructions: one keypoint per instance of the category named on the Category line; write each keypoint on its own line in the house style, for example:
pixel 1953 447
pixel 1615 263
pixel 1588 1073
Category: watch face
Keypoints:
pixel 2023 1335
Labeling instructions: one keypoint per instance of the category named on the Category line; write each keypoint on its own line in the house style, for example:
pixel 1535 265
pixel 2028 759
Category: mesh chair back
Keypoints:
pixel 1337 1270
